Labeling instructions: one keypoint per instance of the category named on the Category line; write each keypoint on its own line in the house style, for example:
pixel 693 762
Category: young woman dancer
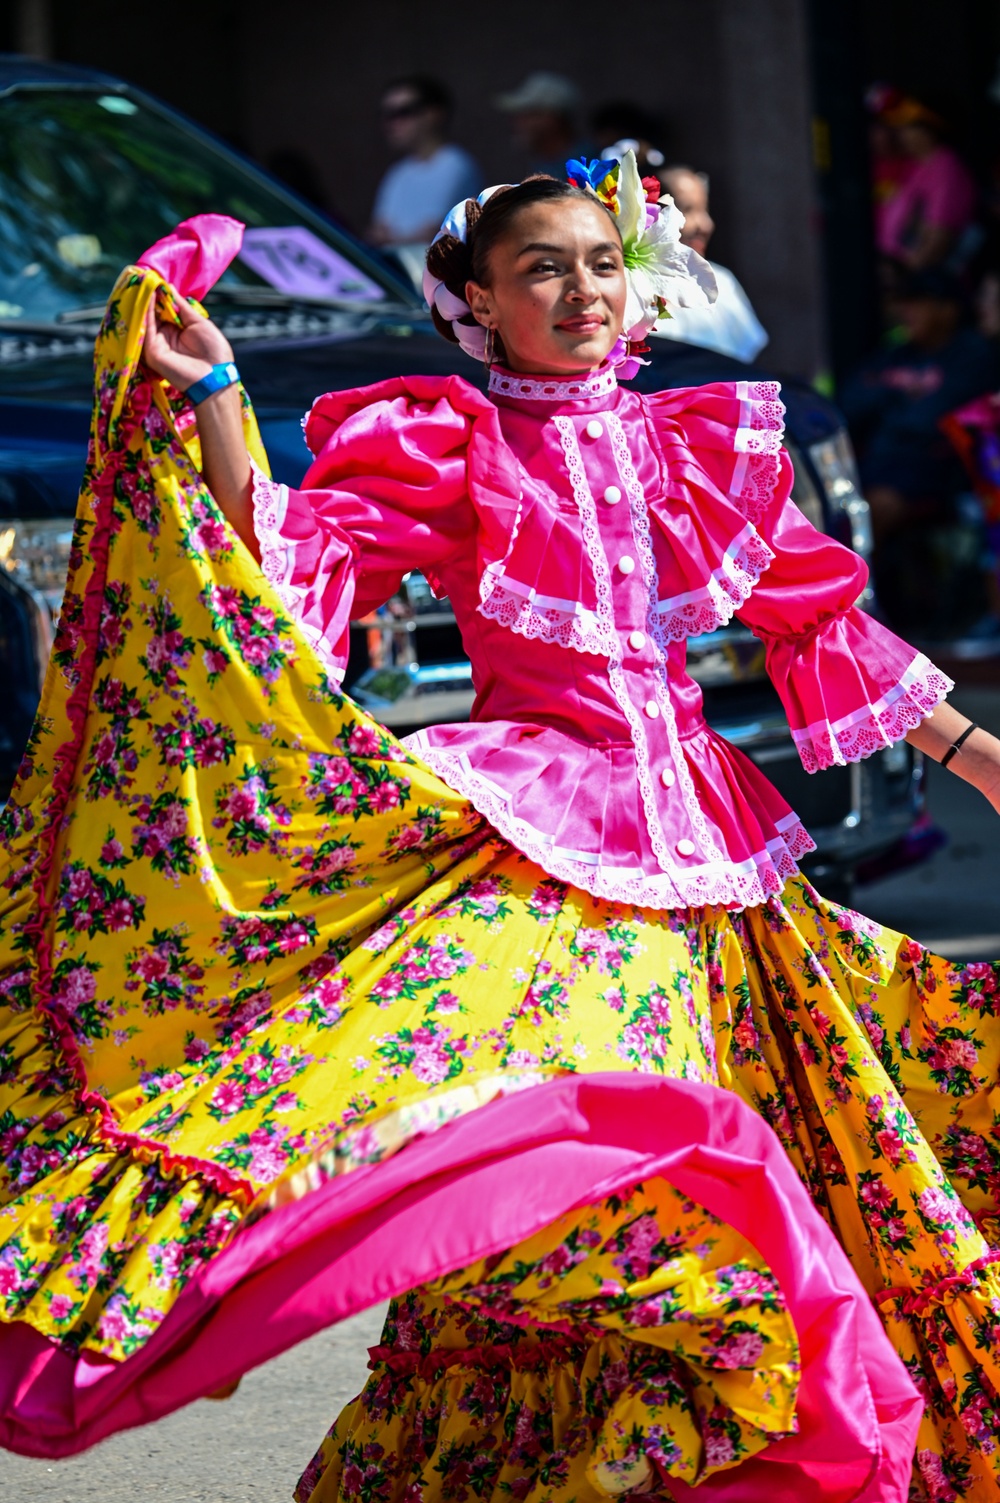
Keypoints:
pixel 529 1023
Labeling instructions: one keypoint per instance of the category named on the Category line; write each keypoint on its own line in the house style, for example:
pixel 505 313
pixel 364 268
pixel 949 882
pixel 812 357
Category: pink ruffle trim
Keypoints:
pixel 938 1291
pixel 375 1233
pixel 728 587
pixel 873 727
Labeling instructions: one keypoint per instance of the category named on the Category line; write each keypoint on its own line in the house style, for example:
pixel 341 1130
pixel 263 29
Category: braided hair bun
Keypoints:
pixel 449 261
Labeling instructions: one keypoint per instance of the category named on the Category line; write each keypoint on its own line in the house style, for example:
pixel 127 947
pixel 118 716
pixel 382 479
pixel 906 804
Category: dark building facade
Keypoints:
pixel 764 95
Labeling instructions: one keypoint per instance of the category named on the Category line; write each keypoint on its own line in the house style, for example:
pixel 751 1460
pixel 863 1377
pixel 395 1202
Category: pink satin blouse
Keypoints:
pixel 583 533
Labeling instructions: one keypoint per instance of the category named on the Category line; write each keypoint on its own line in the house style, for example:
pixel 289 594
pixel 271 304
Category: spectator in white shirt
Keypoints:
pixel 729 326
pixel 432 174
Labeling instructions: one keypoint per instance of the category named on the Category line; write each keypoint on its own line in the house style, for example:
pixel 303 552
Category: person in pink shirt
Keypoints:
pixel 737 1114
pixel 923 223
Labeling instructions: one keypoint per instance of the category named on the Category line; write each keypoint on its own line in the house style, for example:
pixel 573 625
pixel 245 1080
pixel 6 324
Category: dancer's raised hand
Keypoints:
pixel 183 353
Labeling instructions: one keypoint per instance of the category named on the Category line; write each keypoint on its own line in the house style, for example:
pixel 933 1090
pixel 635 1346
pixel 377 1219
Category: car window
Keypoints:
pixel 89 179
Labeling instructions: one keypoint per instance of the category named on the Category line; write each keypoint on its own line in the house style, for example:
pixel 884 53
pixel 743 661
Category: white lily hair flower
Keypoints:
pixel 661 272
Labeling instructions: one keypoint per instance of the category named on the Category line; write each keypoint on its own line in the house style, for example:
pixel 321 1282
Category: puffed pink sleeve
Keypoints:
pixel 849 686
pixel 387 492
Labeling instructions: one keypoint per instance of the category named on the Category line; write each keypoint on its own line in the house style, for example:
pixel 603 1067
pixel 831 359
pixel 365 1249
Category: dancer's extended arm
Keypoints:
pixel 978 758
pixel 183 355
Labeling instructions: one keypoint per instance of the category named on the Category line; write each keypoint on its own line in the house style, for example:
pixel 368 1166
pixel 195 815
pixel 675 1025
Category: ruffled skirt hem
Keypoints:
pixel 454 1198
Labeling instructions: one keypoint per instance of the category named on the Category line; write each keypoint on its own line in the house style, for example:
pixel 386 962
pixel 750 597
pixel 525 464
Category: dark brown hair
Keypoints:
pixel 456 262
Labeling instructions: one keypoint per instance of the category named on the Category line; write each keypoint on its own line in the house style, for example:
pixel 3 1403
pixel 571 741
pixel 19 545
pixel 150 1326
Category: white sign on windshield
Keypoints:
pixel 299 263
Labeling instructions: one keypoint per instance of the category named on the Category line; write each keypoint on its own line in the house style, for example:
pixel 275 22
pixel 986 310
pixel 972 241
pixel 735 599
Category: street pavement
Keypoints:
pixel 952 902
pixel 252 1447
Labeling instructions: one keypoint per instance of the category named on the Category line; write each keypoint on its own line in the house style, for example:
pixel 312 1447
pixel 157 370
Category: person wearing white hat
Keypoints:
pixel 544 110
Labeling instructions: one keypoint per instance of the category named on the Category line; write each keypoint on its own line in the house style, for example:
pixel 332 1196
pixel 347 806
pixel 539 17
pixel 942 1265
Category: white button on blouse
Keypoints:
pixel 612 495
pixel 626 564
pixel 594 429
pixel 637 640
pixel 685 847
pixel 668 777
pixel 652 708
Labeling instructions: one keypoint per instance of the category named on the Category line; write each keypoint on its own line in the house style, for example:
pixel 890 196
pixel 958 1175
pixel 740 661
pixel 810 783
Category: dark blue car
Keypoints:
pixel 93 171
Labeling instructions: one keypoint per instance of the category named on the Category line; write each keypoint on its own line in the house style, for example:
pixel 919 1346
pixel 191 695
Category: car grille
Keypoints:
pixel 820 799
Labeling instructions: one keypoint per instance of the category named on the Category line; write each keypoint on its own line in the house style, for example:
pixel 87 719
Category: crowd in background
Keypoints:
pixel 921 406
pixel 546 127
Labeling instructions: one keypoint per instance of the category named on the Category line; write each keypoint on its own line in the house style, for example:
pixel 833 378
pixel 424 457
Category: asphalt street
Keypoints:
pixel 252 1447
pixel 952 902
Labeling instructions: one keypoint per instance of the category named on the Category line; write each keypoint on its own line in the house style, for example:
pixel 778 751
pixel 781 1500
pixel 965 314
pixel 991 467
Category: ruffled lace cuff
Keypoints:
pixel 873 726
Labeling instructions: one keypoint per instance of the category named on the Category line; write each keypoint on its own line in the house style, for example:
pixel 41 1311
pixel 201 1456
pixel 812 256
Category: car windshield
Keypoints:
pixel 89 178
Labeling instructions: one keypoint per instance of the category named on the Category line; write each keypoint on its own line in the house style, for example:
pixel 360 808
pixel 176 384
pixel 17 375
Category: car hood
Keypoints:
pixel 45 402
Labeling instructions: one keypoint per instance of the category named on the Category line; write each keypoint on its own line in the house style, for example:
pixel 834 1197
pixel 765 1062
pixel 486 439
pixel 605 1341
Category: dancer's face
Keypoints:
pixel 556 291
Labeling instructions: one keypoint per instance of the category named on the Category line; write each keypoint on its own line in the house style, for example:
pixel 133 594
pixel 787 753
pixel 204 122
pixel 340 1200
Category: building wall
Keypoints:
pixel 192 58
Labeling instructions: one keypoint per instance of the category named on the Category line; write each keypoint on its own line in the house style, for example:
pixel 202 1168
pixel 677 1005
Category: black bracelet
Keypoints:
pixel 957 745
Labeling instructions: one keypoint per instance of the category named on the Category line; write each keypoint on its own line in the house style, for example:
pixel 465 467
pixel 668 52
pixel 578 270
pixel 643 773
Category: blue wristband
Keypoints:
pixel 218 378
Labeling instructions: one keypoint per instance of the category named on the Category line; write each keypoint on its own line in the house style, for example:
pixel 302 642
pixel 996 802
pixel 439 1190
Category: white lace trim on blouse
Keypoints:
pixel 504 383
pixel 277 561
pixel 725 590
pixel 521 608
pixel 757 444
pixel 715 878
pixel 647 563
pixel 524 610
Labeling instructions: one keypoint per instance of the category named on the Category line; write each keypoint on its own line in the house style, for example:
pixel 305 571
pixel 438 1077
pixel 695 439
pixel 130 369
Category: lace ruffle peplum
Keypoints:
pixel 728 883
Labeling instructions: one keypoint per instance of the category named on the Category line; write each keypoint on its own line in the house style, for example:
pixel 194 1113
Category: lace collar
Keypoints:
pixel 600 383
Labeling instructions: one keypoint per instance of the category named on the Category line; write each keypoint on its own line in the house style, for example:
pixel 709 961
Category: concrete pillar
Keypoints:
pixel 33 28
pixel 760 77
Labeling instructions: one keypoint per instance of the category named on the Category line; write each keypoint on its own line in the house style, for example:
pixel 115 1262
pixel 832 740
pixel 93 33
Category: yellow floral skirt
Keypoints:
pixel 248 944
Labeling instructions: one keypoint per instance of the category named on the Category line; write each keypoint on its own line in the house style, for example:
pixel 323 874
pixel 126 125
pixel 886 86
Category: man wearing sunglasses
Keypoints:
pixel 432 173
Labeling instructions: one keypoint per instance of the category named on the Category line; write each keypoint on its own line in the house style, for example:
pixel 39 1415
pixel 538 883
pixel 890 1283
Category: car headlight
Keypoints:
pixel 804 493
pixel 836 467
pixel 36 553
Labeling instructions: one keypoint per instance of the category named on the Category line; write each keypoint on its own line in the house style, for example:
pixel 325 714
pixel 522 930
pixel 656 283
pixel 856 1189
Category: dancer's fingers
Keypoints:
pixel 153 332
pixel 185 312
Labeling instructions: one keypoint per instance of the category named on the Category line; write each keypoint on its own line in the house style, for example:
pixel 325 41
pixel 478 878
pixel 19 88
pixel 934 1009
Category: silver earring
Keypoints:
pixel 489 349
